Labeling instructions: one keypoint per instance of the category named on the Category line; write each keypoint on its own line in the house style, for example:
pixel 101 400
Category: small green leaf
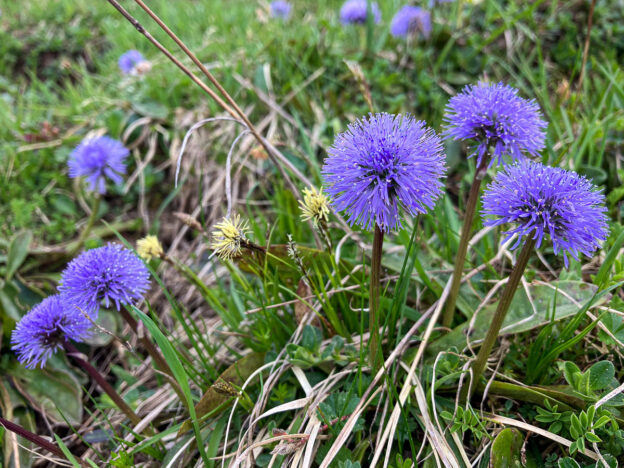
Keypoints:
pixel 568 462
pixel 570 371
pixel 18 251
pixel 601 374
pixel 593 438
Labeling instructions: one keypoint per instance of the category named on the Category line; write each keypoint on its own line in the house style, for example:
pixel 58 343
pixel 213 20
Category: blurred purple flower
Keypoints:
pixel 493 115
pixel 356 12
pixel 96 159
pixel 411 19
pixel 129 60
pixel 382 165
pixel 280 9
pixel 110 274
pixel 44 330
pixel 542 200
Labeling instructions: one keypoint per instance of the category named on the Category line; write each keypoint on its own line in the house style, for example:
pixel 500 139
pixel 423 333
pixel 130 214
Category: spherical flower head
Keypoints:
pixel 356 12
pixel 314 206
pixel 128 61
pixel 383 165
pixel 280 9
pixel 149 247
pixel 494 116
pixel 410 20
pixel 44 330
pixel 112 274
pixel 548 201
pixel 97 159
pixel 229 237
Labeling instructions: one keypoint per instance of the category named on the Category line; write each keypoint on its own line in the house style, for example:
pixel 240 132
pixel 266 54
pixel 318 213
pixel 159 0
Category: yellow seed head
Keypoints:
pixel 149 247
pixel 314 206
pixel 228 236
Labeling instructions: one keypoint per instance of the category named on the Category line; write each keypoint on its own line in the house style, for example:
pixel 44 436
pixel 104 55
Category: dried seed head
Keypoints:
pixel 224 388
pixel 314 206
pixel 228 237
pixel 149 247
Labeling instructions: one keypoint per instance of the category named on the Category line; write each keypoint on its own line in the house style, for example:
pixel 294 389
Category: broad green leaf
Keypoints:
pixel 18 251
pixel 601 374
pixel 55 392
pixel 521 317
pixel 506 449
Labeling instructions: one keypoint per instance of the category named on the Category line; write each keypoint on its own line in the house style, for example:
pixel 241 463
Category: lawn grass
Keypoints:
pixel 292 317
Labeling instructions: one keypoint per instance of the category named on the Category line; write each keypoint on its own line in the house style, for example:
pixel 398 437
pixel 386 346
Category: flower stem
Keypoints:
pixel 460 257
pixel 374 293
pixel 34 438
pixel 95 208
pixel 104 385
pixel 478 365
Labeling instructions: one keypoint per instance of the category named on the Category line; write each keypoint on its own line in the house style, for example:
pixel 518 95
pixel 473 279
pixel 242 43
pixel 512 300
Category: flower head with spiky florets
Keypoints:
pixel 314 206
pixel 96 159
pixel 280 9
pixel 495 118
pixel 44 330
pixel 542 200
pixel 229 237
pixel 149 247
pixel 129 60
pixel 409 20
pixel 382 165
pixel 112 274
pixel 356 12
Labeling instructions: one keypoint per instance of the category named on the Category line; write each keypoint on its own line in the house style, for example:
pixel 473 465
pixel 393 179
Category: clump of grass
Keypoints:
pixel 265 355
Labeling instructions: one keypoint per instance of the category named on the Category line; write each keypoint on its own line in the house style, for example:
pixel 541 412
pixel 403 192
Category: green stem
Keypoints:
pixel 478 365
pixel 103 384
pixel 375 291
pixel 95 208
pixel 460 257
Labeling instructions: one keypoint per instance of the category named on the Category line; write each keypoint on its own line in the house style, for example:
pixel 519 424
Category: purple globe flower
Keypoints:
pixel 129 60
pixel 96 159
pixel 44 330
pixel 382 165
pixel 280 9
pixel 110 274
pixel 356 12
pixel 494 116
pixel 542 200
pixel 411 19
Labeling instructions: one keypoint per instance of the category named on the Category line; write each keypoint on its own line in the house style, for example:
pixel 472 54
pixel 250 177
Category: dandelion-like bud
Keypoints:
pixel 228 237
pixel 383 165
pixel 149 247
pixel 280 9
pixel 97 159
pixel 356 12
pixel 411 20
pixel 314 206
pixel 45 329
pixel 132 62
pixel 542 200
pixel 111 274
pixel 494 116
